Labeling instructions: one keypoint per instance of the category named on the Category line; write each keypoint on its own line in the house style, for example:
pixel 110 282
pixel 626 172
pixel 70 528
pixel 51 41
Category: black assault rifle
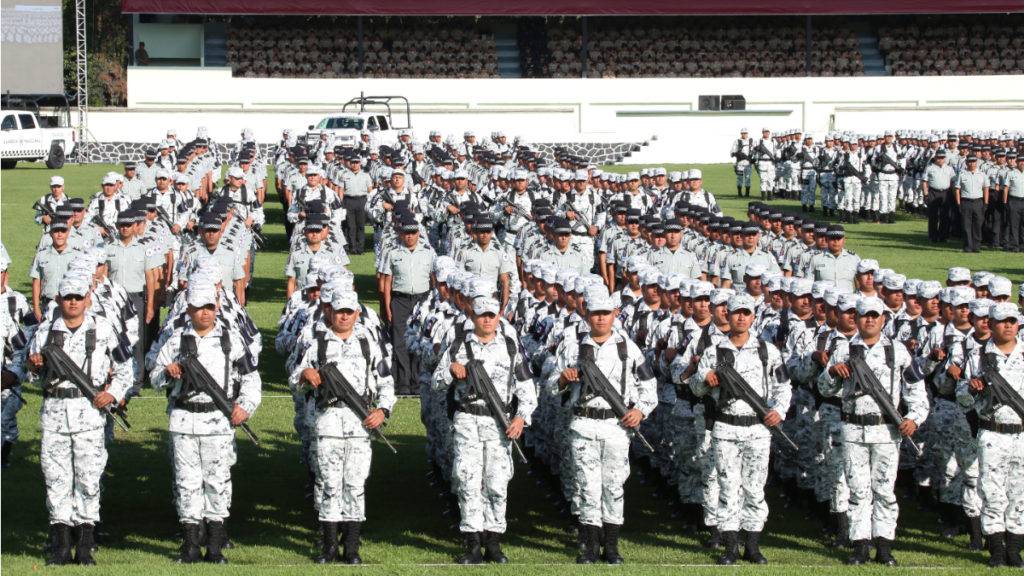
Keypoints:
pixel 335 388
pixel 60 366
pixel 595 381
pixel 866 380
pixel 196 378
pixel 481 385
pixel 734 386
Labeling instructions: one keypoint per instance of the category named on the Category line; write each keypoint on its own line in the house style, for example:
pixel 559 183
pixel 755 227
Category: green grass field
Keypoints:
pixel 406 533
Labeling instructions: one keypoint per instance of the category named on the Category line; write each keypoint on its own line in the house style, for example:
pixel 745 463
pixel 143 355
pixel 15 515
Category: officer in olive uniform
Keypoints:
pixel 49 266
pixel 406 270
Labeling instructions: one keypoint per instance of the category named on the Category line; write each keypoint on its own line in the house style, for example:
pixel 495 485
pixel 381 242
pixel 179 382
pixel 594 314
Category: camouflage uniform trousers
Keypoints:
pixel 956 458
pixel 766 173
pixel 871 474
pixel 651 428
pixel 343 465
pixel 686 439
pixel 830 475
pixel 799 426
pixel 743 171
pixel 828 190
pixel 72 469
pixel 1001 482
pixel 708 473
pixel 742 472
pixel 9 406
pixel 808 188
pixel 301 428
pixel 887 186
pixel 852 195
pixel 483 469
pixel 600 455
pixel 202 475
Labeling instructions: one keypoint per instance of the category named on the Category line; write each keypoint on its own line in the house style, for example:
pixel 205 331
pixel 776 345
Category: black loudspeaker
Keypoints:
pixel 733 102
pixel 709 102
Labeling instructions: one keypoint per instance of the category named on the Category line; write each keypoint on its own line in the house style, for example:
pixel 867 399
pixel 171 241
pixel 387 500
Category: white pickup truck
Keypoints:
pixel 23 137
pixel 344 128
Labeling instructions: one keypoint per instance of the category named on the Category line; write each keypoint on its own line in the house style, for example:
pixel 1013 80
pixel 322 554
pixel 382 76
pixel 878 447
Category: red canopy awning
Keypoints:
pixel 569 7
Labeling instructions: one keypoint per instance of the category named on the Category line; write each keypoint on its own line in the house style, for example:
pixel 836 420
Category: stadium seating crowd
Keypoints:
pixel 944 45
pixel 329 47
pixel 622 47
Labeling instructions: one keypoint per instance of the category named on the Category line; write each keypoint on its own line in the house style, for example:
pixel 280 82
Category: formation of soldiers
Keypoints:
pixel 968 184
pixel 588 323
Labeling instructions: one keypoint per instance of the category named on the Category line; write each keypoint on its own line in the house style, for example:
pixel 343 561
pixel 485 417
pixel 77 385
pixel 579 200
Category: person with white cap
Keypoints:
pixel 73 452
pixel 315 191
pixel 14 311
pixel 343 450
pixel 765 155
pixel 599 437
pixel 105 206
pixel 955 451
pixel 741 152
pixel 888 165
pixel 855 172
pixel 483 464
pixel 830 477
pixel 870 440
pixel 202 437
pixel 1000 439
pixel 47 205
pixel 741 439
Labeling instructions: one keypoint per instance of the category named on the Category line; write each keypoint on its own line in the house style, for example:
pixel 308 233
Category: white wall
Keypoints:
pixel 546 110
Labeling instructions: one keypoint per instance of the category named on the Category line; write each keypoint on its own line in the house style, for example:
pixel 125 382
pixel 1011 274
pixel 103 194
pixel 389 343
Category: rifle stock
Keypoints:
pixel 866 379
pixel 481 383
pixel 594 379
pixel 734 385
pixel 342 391
pixel 197 374
pixel 62 366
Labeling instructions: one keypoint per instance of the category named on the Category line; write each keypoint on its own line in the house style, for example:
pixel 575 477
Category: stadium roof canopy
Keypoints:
pixel 569 7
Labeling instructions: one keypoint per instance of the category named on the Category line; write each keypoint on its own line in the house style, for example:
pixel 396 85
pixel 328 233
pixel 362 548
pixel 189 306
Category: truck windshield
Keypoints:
pixel 344 123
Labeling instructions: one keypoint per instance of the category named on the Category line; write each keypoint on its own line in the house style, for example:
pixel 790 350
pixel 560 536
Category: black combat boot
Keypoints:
pixel 5 454
pixel 1014 542
pixel 996 550
pixel 351 539
pixel 842 530
pixel 492 548
pixel 590 545
pixel 611 544
pixel 86 542
pixel 471 549
pixel 60 547
pixel 861 553
pixel 977 539
pixel 883 552
pixel 950 515
pixel 730 540
pixel 215 537
pixel 739 191
pixel 751 550
pixel 328 543
pixel 715 539
pixel 189 553
pixel 748 191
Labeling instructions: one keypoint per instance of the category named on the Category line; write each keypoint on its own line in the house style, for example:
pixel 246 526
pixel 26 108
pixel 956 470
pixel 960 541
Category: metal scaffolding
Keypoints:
pixel 82 77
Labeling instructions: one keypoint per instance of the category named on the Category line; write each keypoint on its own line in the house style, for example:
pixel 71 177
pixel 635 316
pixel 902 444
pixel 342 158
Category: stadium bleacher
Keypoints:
pixel 953 45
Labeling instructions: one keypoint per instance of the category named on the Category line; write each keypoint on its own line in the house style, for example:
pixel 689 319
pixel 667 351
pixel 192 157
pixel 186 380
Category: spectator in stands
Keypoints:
pixel 141 56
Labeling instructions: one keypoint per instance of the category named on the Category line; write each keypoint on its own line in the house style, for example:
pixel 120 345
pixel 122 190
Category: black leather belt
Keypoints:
pixel 417 296
pixel 732 420
pixel 864 419
pixel 594 413
pixel 1001 428
pixel 195 407
pixel 62 393
pixel 474 409
pixel 833 401
pixel 937 190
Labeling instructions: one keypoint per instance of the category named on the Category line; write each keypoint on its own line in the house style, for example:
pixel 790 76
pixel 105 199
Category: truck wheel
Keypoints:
pixel 55 161
pixel 8 164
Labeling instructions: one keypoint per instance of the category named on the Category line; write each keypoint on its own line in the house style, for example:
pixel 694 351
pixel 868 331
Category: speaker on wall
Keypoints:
pixel 709 102
pixel 733 102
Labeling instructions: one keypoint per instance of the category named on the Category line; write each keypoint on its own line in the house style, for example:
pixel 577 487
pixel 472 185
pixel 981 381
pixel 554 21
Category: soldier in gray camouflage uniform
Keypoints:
pixel 343 452
pixel 202 438
pixel 741 440
pixel 483 467
pixel 871 444
pixel 73 453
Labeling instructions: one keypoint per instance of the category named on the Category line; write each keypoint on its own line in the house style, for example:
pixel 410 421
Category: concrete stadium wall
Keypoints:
pixel 660 110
